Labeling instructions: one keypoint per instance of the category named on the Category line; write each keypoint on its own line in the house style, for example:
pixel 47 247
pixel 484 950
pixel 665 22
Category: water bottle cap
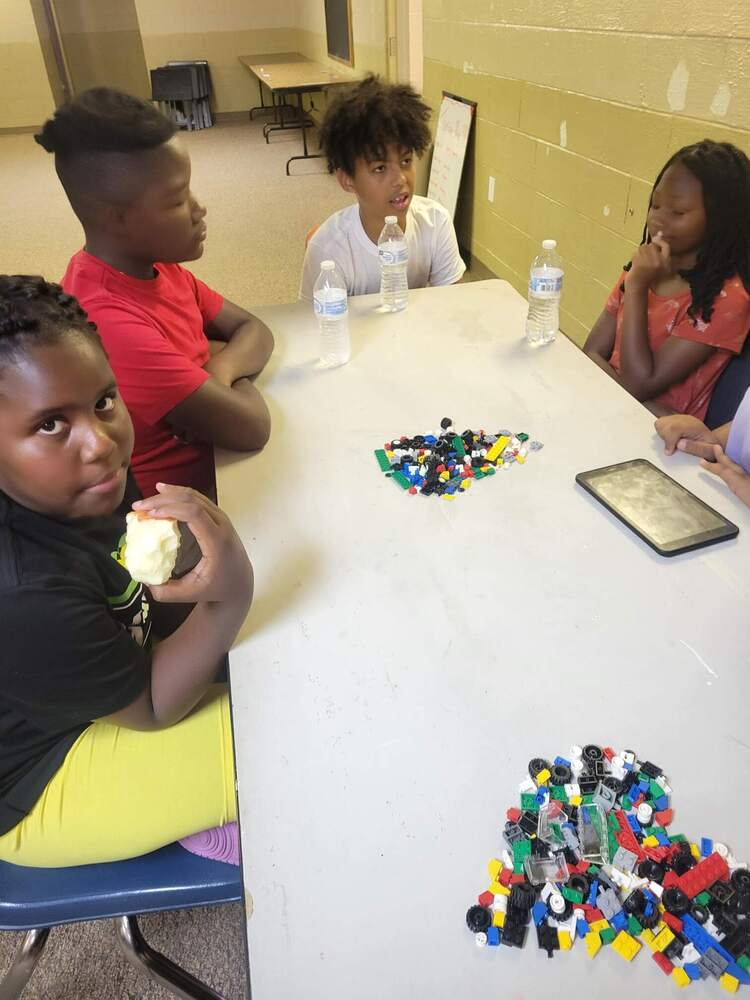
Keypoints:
pixel 390 220
pixel 549 244
pixel 327 265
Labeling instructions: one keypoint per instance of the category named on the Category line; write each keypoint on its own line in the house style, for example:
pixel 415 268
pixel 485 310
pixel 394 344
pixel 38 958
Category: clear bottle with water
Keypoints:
pixel 332 310
pixel 394 258
pixel 545 289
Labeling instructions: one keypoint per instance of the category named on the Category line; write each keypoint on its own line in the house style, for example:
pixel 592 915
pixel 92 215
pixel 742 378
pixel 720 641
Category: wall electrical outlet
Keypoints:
pixel 491 189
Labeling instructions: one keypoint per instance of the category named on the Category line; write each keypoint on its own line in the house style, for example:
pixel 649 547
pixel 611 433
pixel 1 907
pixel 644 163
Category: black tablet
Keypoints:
pixel 664 514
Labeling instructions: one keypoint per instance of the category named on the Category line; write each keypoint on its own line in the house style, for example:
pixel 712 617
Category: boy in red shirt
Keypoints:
pixel 183 356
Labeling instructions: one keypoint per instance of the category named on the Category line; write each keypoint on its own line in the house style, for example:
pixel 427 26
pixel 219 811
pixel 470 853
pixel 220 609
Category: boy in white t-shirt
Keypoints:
pixel 371 136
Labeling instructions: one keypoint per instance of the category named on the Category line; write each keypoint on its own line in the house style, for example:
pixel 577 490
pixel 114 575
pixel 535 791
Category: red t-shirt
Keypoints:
pixel 153 332
pixel 668 317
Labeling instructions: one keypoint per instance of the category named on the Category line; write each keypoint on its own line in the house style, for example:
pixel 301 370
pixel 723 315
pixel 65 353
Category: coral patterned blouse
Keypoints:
pixel 668 317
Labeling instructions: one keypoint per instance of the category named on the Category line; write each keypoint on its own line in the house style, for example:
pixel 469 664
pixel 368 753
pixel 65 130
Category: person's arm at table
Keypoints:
pixel 733 474
pixel 601 342
pixel 247 344
pixel 681 432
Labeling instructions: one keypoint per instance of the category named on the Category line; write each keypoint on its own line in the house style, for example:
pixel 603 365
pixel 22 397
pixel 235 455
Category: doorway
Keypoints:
pixel 404 48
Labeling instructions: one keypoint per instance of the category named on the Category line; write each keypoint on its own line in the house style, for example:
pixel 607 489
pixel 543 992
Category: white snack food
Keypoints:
pixel 151 546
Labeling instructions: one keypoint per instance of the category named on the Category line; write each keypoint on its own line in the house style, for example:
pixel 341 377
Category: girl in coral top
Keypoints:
pixel 681 308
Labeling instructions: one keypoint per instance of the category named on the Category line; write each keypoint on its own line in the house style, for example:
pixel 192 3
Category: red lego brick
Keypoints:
pixel 656 853
pixel 516 879
pixel 505 875
pixel 608 753
pixel 621 818
pixel 705 873
pixel 671 878
pixel 626 839
pixel 673 922
pixel 663 962
pixel 486 898
pixel 513 814
pixel 590 913
pixel 664 818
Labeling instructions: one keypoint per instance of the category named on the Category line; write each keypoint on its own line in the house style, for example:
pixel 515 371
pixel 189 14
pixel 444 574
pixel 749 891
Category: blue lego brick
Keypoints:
pixel 693 971
pixel 582 928
pixel 661 803
pixel 619 921
pixel 592 893
pixel 635 826
pixel 663 839
pixel 563 761
pixel 493 936
pixel 645 786
pixel 707 847
pixel 539 912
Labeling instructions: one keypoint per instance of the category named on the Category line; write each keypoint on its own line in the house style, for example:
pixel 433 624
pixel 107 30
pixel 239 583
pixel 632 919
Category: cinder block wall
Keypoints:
pixel 579 105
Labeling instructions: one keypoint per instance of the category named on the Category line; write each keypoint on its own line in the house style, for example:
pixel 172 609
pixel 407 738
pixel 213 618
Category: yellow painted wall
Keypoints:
pixel 26 96
pixel 579 105
pixel 219 31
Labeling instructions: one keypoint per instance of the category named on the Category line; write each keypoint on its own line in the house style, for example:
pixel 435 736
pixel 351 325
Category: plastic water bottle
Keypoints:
pixel 545 288
pixel 394 257
pixel 332 310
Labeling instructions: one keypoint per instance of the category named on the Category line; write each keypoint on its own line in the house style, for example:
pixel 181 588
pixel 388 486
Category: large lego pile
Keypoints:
pixel 589 856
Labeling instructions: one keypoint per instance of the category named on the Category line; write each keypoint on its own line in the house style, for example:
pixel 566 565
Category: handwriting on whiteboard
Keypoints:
pixel 454 124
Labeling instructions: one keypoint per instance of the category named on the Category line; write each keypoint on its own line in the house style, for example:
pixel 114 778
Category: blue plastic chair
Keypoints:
pixel 730 389
pixel 38 899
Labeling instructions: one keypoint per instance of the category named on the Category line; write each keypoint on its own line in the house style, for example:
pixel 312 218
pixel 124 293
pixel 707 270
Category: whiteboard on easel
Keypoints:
pixel 451 139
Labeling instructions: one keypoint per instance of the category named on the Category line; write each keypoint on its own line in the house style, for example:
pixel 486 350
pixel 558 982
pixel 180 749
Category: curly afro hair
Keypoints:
pixel 364 121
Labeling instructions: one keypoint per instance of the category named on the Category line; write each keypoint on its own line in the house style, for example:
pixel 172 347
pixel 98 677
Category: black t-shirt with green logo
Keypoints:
pixel 74 642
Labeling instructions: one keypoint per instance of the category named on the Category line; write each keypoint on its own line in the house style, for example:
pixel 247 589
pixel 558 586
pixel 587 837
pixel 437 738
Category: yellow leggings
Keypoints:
pixel 121 793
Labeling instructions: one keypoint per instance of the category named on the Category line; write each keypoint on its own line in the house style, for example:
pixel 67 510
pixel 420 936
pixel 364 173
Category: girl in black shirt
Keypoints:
pixel 110 746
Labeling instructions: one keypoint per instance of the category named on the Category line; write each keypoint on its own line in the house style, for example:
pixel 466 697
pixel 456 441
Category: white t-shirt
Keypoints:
pixel 433 250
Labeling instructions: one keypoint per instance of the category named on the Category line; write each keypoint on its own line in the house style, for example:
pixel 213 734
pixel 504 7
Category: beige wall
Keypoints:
pixel 579 105
pixel 219 31
pixel 26 96
pixel 102 44
pixel 368 30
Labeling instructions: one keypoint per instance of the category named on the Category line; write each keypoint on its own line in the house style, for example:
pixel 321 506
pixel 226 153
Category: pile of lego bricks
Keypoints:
pixel 445 463
pixel 588 856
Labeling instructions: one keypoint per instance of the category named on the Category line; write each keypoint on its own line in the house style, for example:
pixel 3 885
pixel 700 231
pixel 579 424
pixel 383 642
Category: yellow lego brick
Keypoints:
pixel 681 977
pixel 498 919
pixel 696 852
pixel 465 484
pixel 593 944
pixel 543 777
pixel 520 459
pixel 501 890
pixel 496 887
pixel 497 449
pixel 650 841
pixel 599 925
pixel 647 935
pixel 729 983
pixel 445 476
pixel 662 940
pixel 494 867
pixel 626 946
pixel 575 800
pixel 389 455
pixel 565 940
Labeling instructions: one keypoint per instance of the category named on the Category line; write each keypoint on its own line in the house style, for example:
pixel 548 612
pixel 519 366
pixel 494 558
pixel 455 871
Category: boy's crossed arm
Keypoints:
pixel 227 410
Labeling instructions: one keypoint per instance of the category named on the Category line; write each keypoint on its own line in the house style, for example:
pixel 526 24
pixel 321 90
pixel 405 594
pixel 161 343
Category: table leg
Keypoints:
pixel 305 123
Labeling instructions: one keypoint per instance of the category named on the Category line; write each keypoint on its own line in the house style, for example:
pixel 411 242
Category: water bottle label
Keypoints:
pixel 546 284
pixel 330 307
pixel 393 253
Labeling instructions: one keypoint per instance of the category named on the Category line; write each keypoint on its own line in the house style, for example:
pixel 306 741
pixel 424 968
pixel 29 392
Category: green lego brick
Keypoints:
pixel 612 822
pixel 529 802
pixel 654 831
pixel 587 800
pixel 743 961
pixel 678 838
pixel 558 792
pixel 634 927
pixel 703 898
pixel 458 444
pixel 521 851
pixel 382 458
pixel 522 436
pixel 479 474
pixel 608 935
pixel 592 869
pixel 490 472
pixel 572 895
pixel 656 790
pixel 627 803
pixel 400 478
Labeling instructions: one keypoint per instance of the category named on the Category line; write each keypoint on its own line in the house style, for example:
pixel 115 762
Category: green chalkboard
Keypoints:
pixel 339 30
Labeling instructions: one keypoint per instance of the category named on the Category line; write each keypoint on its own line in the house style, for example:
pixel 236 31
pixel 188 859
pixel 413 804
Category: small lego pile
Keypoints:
pixel 446 463
pixel 588 856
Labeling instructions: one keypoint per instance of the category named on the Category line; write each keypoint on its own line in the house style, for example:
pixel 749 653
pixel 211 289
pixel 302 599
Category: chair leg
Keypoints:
pixel 27 956
pixel 157 966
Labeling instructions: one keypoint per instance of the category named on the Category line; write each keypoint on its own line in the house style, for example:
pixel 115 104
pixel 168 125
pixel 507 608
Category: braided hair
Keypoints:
pixel 724 173
pixel 365 120
pixel 37 312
